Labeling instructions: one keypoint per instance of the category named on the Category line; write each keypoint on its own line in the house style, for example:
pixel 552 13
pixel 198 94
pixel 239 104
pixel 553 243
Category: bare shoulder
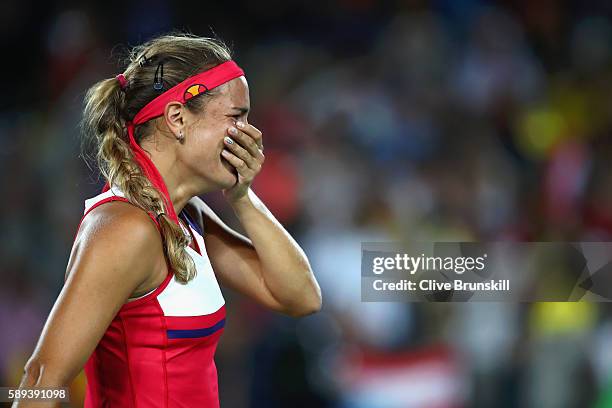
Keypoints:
pixel 118 216
pixel 120 231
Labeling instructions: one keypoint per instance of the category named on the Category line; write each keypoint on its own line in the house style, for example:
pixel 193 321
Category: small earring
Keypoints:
pixel 181 135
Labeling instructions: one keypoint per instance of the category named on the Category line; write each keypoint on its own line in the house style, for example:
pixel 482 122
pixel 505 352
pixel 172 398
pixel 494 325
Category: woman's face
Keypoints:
pixel 204 133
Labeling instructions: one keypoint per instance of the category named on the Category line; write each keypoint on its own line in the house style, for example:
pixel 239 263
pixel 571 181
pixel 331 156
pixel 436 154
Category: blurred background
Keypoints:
pixel 448 120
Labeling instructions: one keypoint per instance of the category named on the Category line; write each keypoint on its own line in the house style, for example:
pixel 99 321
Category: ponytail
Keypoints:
pixel 111 102
pixel 103 122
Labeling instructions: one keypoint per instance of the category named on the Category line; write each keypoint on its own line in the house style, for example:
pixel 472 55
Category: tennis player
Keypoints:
pixel 141 309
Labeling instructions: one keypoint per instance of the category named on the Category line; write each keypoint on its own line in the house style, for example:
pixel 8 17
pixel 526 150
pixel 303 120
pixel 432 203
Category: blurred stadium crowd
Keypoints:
pixel 446 120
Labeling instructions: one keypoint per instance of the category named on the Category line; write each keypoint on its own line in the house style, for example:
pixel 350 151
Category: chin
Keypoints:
pixel 219 177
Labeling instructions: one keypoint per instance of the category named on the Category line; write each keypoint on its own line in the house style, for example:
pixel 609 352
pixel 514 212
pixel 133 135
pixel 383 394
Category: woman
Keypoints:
pixel 141 309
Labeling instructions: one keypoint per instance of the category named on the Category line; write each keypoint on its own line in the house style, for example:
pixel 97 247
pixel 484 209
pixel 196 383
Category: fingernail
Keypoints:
pixel 228 140
pixel 239 124
pixel 233 130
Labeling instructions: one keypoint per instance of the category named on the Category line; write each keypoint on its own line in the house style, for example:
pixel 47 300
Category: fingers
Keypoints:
pixel 248 141
pixel 252 131
pixel 238 163
pixel 242 154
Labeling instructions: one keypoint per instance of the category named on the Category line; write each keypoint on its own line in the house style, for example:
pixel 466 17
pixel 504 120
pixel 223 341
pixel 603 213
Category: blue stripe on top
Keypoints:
pixel 194 333
pixel 193 225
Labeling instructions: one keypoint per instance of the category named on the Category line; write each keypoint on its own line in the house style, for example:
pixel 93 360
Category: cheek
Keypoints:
pixel 204 145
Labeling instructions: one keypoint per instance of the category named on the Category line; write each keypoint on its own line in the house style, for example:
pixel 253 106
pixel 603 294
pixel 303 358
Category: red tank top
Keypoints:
pixel 158 351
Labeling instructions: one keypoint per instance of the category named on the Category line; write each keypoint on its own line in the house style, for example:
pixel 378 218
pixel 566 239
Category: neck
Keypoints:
pixel 179 187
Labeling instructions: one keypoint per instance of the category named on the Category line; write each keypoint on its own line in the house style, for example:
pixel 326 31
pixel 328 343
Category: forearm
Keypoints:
pixel 284 266
pixel 38 375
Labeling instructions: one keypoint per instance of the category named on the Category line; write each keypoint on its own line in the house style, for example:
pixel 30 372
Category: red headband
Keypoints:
pixel 182 92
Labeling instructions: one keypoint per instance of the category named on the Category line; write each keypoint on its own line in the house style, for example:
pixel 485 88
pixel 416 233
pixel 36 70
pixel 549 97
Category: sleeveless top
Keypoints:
pixel 158 351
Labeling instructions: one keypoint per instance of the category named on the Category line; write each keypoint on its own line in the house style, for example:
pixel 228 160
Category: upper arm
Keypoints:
pixel 112 254
pixel 234 258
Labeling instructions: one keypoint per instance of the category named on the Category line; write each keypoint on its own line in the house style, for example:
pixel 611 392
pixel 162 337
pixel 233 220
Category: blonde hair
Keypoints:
pixel 107 107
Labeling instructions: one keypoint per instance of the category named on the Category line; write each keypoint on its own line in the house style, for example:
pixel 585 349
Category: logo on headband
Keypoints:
pixel 194 90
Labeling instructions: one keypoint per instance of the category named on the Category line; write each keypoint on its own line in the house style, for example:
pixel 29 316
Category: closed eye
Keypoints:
pixel 242 109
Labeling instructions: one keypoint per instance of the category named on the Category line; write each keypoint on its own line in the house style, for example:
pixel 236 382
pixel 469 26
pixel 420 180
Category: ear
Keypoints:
pixel 174 115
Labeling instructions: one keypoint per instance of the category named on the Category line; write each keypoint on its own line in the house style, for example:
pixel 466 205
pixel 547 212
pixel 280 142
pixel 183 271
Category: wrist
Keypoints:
pixel 243 201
